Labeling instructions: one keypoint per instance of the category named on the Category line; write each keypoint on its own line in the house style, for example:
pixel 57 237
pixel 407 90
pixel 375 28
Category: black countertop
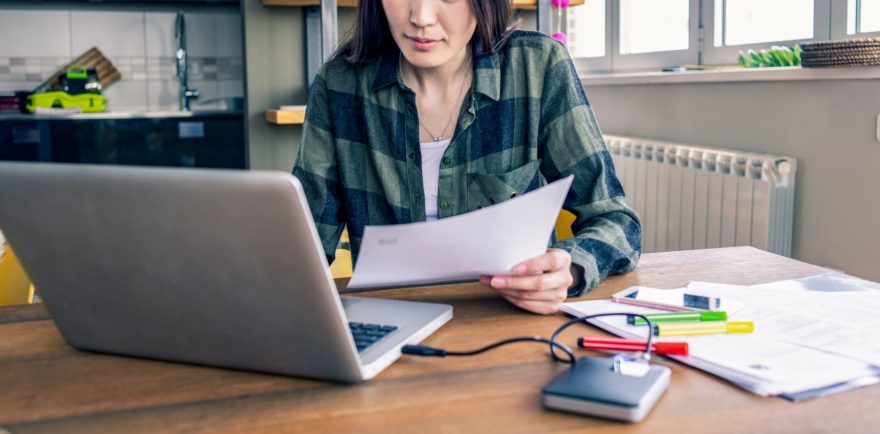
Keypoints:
pixel 122 115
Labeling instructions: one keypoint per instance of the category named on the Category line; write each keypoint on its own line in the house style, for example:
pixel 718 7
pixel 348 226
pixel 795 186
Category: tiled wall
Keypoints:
pixel 140 44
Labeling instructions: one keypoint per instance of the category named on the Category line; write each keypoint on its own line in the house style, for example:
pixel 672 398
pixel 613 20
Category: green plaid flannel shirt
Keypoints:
pixel 526 121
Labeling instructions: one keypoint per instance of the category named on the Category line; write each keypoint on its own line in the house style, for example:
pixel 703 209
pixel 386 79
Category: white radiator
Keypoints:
pixel 695 197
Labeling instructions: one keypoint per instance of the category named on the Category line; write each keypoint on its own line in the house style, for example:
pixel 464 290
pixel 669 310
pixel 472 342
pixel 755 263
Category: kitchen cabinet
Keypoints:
pixel 206 139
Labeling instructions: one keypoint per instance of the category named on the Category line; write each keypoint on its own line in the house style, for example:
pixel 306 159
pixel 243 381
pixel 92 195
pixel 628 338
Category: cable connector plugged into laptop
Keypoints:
pixel 419 350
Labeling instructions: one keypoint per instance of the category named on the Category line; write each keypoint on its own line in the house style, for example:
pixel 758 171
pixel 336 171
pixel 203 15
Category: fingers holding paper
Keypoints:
pixel 538 285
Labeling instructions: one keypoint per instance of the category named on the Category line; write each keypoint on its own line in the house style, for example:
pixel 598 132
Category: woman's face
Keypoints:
pixel 431 33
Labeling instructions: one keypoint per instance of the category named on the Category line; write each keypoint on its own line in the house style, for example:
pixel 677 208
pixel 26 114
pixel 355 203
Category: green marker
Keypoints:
pixel 679 317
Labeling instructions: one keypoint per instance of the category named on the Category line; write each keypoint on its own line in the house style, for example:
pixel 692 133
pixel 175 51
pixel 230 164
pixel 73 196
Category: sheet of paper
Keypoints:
pixel 828 282
pixel 841 321
pixel 491 240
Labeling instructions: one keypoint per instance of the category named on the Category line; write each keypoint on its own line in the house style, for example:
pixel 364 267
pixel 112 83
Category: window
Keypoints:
pixel 644 31
pixel 863 16
pixel 740 22
pixel 586 29
pixel 654 34
pixel 648 26
pixel 739 25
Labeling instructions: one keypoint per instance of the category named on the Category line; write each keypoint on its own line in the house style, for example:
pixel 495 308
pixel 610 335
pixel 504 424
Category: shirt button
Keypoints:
pixel 447 160
pixel 444 204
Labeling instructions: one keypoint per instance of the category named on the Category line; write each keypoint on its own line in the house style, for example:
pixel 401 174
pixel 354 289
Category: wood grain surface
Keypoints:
pixel 286 117
pixel 47 386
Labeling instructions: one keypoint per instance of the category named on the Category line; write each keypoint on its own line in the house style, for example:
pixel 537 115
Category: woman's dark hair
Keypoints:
pixel 370 35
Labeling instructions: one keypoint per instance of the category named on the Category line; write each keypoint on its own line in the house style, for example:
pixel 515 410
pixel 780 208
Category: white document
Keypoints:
pixel 833 313
pixel 491 240
pixel 757 362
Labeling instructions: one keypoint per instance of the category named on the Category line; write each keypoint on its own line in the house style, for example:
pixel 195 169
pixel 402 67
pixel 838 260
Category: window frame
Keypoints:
pixel 604 63
pixel 659 59
pixel 829 23
pixel 729 55
pixel 839 17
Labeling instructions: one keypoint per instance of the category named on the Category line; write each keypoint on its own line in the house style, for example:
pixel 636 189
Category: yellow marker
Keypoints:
pixel 703 328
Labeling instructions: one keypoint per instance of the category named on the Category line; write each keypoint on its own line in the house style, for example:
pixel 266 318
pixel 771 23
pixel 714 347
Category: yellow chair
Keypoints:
pixel 15 286
pixel 341 266
pixel 563 225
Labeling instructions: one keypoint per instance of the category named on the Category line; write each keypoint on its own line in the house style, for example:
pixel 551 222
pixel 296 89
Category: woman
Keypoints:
pixel 434 108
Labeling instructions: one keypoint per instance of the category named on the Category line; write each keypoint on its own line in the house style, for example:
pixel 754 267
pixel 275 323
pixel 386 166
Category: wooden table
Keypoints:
pixel 47 386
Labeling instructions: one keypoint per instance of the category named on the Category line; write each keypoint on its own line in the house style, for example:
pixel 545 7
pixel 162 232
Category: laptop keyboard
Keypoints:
pixel 366 335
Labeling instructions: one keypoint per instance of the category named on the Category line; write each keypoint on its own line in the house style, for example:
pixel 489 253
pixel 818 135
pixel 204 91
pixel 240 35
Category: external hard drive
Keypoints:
pixel 599 387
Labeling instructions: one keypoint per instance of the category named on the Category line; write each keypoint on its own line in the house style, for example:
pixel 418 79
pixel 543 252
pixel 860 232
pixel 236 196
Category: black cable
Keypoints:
pixel 585 320
pixel 419 350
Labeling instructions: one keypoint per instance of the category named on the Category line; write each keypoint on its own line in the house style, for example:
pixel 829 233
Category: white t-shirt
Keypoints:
pixel 432 154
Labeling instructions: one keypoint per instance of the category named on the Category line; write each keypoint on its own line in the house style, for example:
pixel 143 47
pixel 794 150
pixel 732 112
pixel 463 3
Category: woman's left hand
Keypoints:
pixel 538 285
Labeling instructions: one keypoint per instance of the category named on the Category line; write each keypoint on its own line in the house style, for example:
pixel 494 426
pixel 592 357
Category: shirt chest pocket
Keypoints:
pixel 486 189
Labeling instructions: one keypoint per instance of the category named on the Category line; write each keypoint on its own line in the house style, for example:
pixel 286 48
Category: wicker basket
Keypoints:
pixel 853 52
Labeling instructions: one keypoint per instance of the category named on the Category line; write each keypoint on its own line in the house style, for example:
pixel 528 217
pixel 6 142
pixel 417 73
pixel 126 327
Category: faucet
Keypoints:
pixel 185 92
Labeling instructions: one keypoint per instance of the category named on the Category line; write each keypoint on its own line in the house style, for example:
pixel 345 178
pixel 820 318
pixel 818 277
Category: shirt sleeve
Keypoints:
pixel 607 233
pixel 316 168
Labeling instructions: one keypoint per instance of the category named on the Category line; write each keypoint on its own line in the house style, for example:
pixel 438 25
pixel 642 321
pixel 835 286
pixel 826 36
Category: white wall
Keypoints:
pixel 829 126
pixel 275 56
pixel 36 41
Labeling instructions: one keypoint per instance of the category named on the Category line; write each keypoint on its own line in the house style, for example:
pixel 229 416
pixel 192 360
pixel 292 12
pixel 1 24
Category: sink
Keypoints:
pixel 231 103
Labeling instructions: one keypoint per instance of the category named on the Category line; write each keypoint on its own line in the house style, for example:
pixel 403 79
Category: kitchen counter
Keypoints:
pixel 122 115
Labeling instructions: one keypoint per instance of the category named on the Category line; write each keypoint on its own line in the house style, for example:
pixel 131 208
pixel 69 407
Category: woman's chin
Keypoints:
pixel 428 59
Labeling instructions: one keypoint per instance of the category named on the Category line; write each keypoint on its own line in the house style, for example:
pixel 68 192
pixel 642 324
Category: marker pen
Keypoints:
pixel 679 317
pixel 703 328
pixel 618 344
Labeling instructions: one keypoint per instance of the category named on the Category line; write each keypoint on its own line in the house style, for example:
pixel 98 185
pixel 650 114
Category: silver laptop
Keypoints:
pixel 213 267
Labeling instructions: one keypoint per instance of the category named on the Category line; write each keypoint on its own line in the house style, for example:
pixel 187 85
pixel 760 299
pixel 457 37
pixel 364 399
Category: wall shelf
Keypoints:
pixel 286 115
pixel 518 4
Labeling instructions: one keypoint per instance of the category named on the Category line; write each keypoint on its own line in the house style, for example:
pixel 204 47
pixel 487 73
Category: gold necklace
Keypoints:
pixel 433 136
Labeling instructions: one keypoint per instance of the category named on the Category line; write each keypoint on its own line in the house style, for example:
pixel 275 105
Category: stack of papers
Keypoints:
pixel 813 336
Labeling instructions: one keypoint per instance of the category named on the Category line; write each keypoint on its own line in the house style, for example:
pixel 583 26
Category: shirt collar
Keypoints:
pixel 487 73
pixel 386 74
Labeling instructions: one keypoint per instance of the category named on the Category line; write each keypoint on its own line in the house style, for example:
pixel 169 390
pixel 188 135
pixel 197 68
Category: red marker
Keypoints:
pixel 618 344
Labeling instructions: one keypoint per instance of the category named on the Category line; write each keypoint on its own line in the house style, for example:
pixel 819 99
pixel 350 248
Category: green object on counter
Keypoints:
pixel 775 56
pixel 87 102
pixel 679 317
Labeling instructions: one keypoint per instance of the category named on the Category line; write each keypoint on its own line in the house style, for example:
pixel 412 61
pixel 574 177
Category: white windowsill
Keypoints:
pixel 720 76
